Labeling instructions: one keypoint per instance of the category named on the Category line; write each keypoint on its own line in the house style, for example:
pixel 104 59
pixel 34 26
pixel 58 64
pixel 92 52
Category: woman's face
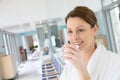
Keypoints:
pixel 80 32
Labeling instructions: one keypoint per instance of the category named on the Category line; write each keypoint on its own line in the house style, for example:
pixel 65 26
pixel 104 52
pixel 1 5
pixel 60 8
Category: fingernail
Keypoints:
pixel 65 50
pixel 76 46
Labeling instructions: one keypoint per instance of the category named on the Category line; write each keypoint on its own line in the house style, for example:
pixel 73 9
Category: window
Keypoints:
pixel 106 2
pixel 114 14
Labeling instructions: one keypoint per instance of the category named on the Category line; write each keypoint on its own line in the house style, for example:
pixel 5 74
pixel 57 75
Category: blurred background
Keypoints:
pixel 37 27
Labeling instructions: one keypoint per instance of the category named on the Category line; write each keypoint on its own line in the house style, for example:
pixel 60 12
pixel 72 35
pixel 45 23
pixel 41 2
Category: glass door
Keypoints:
pixel 114 14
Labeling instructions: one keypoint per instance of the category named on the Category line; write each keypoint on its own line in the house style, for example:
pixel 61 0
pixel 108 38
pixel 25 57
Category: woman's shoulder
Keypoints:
pixel 110 62
pixel 112 55
pixel 108 54
pixel 110 59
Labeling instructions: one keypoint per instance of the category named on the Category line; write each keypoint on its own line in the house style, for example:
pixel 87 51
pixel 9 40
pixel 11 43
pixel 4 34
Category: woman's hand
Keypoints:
pixel 74 55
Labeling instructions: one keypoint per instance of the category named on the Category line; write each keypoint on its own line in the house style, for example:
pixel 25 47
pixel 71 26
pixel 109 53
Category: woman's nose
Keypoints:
pixel 75 36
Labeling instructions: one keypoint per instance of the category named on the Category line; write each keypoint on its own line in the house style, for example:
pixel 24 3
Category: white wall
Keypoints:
pixel 95 5
pixel 59 8
pixel 14 12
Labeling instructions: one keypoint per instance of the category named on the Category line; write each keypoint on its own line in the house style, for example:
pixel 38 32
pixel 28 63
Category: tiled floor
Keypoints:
pixel 30 70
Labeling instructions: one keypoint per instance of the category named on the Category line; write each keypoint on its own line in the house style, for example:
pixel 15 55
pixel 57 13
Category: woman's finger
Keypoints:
pixel 71 49
pixel 68 54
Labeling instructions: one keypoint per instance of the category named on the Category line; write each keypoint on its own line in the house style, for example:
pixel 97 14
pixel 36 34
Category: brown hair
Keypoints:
pixel 85 13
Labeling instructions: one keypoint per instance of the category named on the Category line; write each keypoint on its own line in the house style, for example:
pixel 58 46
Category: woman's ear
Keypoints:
pixel 96 28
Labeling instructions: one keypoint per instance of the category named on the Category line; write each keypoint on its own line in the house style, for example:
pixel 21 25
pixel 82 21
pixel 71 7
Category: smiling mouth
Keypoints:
pixel 78 43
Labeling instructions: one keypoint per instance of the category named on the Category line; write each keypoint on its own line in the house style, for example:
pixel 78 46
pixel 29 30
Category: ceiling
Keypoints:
pixel 21 15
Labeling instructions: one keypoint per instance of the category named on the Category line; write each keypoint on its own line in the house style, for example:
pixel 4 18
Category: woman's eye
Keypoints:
pixel 80 30
pixel 69 31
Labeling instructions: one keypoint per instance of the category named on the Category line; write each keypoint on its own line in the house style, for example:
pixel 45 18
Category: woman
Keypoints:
pixel 87 60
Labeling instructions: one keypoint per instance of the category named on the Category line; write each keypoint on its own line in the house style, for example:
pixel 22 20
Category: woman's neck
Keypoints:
pixel 87 53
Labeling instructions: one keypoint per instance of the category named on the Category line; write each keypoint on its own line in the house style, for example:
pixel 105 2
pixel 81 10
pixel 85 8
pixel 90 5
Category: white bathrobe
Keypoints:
pixel 103 65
